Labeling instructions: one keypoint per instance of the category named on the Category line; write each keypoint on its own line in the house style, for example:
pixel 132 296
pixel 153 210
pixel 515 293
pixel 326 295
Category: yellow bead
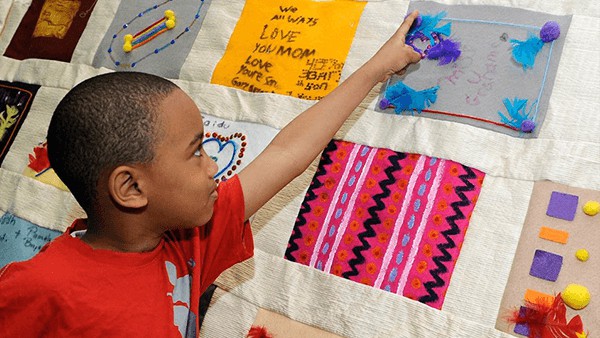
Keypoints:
pixel 169 14
pixel 582 254
pixel 127 43
pixel 170 24
pixel 576 296
pixel 591 208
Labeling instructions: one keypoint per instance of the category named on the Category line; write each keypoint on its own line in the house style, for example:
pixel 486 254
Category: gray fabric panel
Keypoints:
pixel 167 62
pixel 486 73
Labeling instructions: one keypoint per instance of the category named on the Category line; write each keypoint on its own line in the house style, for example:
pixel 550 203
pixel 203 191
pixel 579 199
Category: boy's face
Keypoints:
pixel 181 189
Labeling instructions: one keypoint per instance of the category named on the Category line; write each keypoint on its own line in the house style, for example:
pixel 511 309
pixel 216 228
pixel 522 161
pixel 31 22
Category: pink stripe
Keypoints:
pixel 399 221
pixel 419 235
pixel 342 228
pixel 331 209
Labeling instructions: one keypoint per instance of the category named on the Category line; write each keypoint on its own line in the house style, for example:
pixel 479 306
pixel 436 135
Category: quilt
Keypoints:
pixel 459 200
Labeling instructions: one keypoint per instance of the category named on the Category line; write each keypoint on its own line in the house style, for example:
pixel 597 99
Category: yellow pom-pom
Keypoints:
pixel 576 296
pixel 169 14
pixel 170 24
pixel 591 208
pixel 582 254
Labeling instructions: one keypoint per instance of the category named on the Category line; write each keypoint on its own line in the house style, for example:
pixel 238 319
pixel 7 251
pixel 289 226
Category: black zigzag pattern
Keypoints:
pixel 310 196
pixel 454 230
pixel 374 219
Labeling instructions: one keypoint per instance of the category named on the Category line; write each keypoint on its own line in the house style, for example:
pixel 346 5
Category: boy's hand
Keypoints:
pixel 395 56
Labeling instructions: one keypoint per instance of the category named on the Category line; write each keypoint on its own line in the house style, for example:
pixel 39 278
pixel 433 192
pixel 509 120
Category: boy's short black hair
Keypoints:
pixel 103 122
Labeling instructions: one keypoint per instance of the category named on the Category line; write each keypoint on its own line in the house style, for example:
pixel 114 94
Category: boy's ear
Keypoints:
pixel 125 188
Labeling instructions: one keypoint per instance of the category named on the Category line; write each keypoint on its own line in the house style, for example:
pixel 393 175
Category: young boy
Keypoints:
pixel 129 147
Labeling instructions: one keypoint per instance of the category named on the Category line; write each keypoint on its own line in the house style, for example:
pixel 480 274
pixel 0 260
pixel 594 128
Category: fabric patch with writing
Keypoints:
pixel 155 46
pixel 232 144
pixel 15 102
pixel 485 87
pixel 391 220
pixel 21 239
pixel 50 30
pixel 295 48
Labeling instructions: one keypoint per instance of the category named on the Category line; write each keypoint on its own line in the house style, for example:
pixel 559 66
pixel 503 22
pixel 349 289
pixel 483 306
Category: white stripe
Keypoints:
pixel 399 221
pixel 331 209
pixel 417 240
pixel 349 208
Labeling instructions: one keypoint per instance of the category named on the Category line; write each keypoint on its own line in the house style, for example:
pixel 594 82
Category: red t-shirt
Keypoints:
pixel 72 290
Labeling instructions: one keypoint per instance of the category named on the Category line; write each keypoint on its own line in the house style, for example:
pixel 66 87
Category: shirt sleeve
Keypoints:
pixel 227 238
pixel 25 309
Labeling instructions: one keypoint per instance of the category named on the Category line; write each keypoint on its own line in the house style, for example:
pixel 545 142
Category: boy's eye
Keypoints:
pixel 198 152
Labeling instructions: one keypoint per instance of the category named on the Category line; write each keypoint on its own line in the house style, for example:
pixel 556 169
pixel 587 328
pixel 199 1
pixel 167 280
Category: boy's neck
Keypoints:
pixel 121 236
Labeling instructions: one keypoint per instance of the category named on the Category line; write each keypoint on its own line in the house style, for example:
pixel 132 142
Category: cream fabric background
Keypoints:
pixel 567 151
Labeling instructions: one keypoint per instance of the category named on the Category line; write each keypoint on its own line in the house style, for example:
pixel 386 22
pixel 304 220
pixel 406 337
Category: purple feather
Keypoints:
pixel 445 51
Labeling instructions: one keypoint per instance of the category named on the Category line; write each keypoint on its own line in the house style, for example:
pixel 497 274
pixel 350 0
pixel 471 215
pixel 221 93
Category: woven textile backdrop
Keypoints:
pixel 435 222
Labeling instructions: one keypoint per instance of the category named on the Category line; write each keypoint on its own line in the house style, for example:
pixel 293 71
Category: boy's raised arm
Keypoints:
pixel 297 145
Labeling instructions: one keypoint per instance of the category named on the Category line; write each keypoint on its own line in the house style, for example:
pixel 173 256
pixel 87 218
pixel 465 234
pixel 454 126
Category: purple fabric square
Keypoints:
pixel 546 265
pixel 562 206
pixel 522 329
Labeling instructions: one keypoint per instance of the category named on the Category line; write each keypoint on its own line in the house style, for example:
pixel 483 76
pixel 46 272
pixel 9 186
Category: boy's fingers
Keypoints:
pixel 414 57
pixel 405 26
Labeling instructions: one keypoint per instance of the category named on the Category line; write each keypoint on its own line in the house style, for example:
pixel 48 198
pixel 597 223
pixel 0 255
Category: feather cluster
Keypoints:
pixel 445 51
pixel 548 320
pixel 404 98
pixel 428 28
pixel 39 160
pixel 258 332
pixel 440 46
pixel 519 118
pixel 524 52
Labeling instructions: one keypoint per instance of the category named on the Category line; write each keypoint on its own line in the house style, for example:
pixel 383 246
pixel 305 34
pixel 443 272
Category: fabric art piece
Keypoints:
pixel 151 36
pixel 469 61
pixel 50 29
pixel 20 239
pixel 548 269
pixel 15 102
pixel 391 220
pixel 295 48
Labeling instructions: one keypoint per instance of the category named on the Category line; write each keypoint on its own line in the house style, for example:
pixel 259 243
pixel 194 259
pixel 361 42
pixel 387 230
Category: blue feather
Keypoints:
pixel 405 98
pixel 524 52
pixel 519 118
pixel 428 27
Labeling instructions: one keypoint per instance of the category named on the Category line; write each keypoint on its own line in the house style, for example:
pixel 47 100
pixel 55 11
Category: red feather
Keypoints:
pixel 258 332
pixel 547 320
pixel 40 161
